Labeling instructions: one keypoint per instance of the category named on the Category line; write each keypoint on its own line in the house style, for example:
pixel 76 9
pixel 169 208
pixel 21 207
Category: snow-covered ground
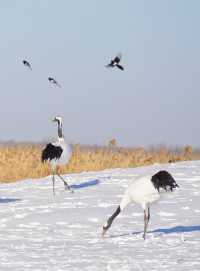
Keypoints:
pixel 42 232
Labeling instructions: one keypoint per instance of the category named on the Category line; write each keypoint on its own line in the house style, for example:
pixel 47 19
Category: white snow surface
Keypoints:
pixel 41 232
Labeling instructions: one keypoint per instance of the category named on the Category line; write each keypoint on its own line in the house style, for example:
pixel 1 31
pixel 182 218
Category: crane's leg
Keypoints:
pixel 146 220
pixel 148 217
pixel 62 179
pixel 53 180
pixel 65 183
pixel 145 224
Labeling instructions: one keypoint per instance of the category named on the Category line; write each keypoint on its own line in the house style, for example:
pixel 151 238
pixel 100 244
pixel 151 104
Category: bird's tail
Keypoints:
pixel 164 179
pixel 120 67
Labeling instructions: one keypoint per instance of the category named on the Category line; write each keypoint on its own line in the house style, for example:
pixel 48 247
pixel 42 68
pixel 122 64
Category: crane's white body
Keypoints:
pixel 141 191
pixel 66 153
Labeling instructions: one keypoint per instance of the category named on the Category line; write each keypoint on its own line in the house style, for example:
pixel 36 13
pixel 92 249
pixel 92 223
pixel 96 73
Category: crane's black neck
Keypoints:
pixel 110 220
pixel 60 133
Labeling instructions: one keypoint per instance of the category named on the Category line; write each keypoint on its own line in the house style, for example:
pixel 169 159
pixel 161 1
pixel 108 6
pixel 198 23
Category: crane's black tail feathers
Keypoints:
pixel 51 152
pixel 164 179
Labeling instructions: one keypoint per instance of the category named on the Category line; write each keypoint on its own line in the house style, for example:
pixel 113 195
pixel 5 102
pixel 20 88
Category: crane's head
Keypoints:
pixel 58 119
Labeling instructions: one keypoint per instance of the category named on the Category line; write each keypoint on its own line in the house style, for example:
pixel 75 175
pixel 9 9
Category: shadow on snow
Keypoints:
pixel 8 200
pixel 177 229
pixel 85 184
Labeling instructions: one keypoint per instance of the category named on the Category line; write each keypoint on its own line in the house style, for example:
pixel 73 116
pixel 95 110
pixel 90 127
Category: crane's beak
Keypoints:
pixel 103 232
pixel 54 119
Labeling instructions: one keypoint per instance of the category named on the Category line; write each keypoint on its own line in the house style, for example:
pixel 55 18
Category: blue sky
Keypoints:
pixel 154 101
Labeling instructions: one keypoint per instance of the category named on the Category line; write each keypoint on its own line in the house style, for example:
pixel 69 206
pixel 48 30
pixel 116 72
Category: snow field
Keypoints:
pixel 42 232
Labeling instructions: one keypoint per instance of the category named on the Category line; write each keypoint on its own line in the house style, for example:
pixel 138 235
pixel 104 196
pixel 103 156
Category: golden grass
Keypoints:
pixel 21 161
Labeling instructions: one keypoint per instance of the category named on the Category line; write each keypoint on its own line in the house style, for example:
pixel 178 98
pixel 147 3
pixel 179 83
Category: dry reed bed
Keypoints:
pixel 21 161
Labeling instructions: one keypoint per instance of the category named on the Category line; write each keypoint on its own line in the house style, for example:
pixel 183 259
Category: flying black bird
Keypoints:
pixel 53 81
pixel 115 62
pixel 27 64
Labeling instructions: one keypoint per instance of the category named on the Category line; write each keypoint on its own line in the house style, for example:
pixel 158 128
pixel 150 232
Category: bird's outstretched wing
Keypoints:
pixel 27 64
pixel 58 84
pixel 53 81
pixel 110 65
pixel 51 152
pixel 117 59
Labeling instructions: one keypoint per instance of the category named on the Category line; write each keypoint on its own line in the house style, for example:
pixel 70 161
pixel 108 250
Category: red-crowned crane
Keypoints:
pixel 144 191
pixel 57 153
